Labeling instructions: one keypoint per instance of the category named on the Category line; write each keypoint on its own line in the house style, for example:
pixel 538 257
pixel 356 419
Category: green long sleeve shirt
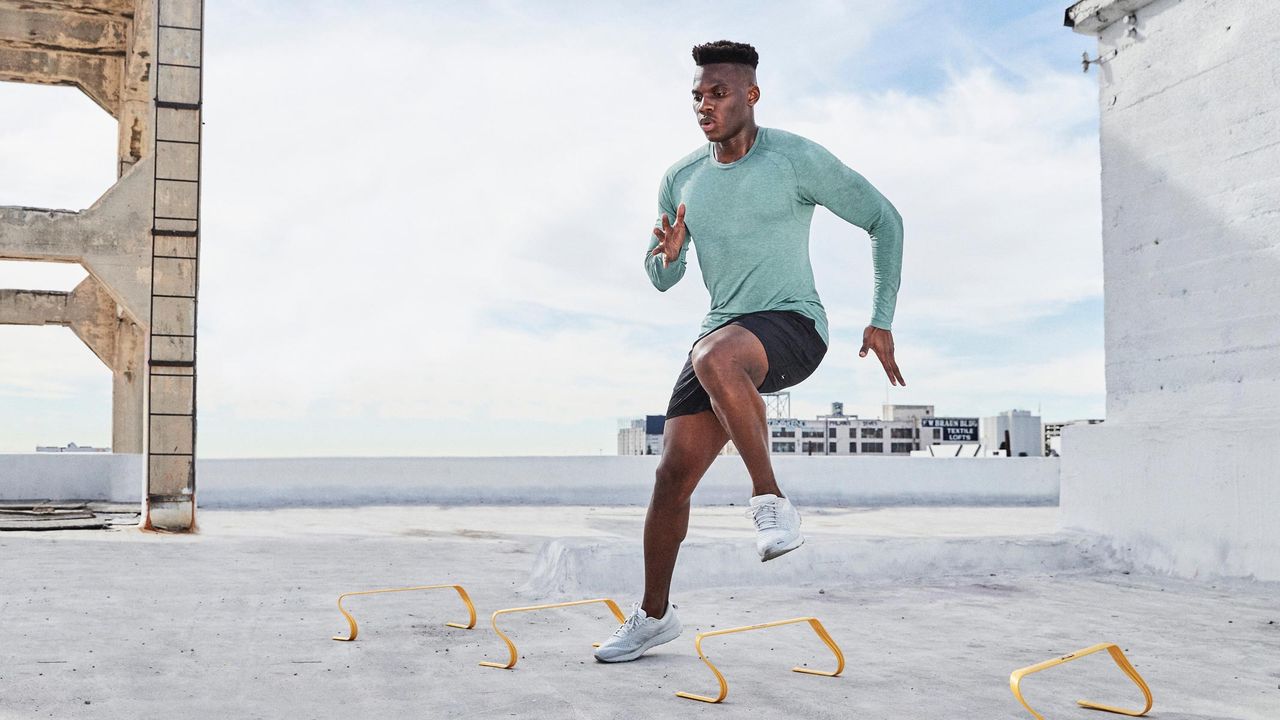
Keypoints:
pixel 750 221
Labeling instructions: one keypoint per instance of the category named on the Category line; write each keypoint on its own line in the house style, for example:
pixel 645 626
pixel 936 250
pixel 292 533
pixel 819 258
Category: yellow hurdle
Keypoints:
pixel 1015 679
pixel 724 686
pixel 511 648
pixel 355 629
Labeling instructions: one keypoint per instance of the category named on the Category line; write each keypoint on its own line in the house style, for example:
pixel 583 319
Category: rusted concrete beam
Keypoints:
pixel 97 75
pixel 118 8
pixel 88 310
pixel 28 233
pixel 33 307
pixel 54 31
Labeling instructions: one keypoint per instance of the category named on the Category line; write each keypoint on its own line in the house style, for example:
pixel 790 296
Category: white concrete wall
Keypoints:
pixel 1173 505
pixel 578 567
pixel 71 476
pixel 606 480
pixel 1183 471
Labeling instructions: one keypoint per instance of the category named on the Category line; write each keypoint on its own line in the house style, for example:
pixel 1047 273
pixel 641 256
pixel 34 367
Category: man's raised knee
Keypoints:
pixel 712 363
pixel 672 483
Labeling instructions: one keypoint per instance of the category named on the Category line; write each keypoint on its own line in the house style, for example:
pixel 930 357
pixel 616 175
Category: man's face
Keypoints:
pixel 723 97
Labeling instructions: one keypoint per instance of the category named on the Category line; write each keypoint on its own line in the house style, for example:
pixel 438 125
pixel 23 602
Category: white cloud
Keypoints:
pixel 997 187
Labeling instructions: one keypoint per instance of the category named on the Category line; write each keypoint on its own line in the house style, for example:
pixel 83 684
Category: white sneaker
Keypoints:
pixel 777 526
pixel 639 633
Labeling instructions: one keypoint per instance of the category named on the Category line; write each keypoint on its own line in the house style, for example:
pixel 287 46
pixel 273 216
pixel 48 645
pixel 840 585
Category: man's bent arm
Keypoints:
pixel 824 180
pixel 664 277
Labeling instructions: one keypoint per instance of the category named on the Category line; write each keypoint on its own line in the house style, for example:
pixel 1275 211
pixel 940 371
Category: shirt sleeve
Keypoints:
pixel 823 180
pixel 664 277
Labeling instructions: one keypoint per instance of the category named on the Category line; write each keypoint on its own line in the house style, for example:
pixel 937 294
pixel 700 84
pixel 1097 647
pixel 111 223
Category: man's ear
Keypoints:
pixel 753 94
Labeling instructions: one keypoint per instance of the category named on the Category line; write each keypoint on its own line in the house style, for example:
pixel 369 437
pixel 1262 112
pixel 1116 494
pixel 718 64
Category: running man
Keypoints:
pixel 746 198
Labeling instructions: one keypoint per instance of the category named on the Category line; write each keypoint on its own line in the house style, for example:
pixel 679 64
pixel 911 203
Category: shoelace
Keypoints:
pixel 765 516
pixel 629 624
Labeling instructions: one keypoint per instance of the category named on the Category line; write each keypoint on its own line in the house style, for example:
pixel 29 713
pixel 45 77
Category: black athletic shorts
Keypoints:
pixel 791 343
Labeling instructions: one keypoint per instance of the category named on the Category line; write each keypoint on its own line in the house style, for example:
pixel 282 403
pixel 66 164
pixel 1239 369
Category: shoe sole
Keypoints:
pixel 655 642
pixel 779 553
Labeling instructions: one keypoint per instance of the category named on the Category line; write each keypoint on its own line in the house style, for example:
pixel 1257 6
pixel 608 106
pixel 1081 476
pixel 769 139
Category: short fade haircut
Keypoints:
pixel 725 51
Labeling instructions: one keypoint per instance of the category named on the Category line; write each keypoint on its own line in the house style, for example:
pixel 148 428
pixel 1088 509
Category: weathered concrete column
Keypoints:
pixel 141 61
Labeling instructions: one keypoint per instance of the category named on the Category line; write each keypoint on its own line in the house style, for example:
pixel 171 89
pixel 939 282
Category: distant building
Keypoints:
pixel 840 434
pixel 906 412
pixel 1053 435
pixel 934 430
pixel 643 436
pixel 902 431
pixel 70 448
pixel 1017 431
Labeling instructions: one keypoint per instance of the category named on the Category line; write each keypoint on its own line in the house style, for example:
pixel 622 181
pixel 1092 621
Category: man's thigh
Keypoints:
pixel 732 346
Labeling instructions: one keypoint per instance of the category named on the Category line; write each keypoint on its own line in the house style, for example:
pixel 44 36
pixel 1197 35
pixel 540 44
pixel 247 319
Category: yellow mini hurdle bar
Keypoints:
pixel 1015 679
pixel 355 630
pixel 724 686
pixel 511 648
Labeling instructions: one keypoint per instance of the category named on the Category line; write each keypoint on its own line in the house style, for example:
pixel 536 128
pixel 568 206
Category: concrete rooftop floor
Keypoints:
pixel 235 622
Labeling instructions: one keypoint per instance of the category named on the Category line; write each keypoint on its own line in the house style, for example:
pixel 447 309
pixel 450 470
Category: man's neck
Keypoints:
pixel 736 147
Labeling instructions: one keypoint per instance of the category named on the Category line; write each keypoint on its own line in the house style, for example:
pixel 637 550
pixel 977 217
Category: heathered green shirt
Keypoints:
pixel 750 220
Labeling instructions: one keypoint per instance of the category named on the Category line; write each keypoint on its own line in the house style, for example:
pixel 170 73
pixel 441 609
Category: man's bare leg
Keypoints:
pixel 690 445
pixel 730 364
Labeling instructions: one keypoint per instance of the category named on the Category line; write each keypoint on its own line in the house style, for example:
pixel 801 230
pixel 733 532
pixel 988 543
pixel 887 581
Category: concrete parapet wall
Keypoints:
pixel 608 480
pixel 71 476
pixel 618 480
pixel 578 566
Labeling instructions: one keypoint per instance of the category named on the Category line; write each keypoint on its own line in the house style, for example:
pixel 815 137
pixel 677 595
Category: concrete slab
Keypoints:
pixel 235 622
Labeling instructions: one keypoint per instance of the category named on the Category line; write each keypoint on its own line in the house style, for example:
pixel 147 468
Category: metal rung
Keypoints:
pixel 171 105
pixel 172 363
pixel 179 27
pixel 181 65
pixel 180 297
pixel 171 217
pixel 161 414
pixel 159 179
pixel 178 142
pixel 161 232
pixel 172 335
pixel 169 498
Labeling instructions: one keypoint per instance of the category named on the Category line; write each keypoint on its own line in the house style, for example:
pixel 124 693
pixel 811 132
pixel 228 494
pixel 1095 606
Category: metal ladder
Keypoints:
pixel 175 253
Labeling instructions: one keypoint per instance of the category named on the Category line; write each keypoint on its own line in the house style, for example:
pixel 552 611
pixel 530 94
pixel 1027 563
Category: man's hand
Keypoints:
pixel 670 237
pixel 881 341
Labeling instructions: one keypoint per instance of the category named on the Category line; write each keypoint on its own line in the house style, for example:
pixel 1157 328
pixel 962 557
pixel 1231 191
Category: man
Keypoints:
pixel 745 199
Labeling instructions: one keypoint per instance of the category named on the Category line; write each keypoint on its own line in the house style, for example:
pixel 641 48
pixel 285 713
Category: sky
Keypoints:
pixel 423 222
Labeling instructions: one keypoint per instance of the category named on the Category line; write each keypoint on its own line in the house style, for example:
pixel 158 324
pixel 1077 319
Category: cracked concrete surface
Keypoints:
pixel 236 621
